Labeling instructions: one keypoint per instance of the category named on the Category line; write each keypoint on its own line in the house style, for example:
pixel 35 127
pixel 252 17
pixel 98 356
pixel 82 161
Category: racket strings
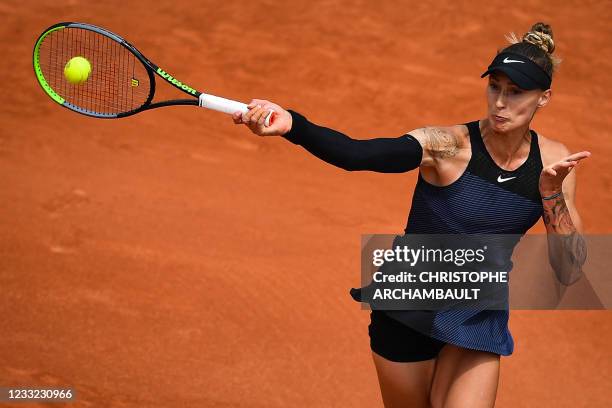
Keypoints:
pixel 118 81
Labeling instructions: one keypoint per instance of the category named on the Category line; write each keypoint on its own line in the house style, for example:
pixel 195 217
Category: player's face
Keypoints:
pixel 510 107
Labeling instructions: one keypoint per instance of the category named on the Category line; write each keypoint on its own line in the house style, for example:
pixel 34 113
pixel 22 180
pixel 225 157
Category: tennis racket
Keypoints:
pixel 121 81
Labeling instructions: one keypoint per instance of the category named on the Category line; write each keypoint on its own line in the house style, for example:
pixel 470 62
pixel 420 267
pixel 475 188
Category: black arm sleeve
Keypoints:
pixel 383 155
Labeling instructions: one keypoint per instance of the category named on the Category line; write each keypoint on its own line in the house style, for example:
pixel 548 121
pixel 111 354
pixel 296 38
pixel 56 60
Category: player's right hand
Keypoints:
pixel 254 119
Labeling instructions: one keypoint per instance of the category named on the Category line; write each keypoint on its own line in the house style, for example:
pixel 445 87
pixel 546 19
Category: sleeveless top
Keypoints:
pixel 486 199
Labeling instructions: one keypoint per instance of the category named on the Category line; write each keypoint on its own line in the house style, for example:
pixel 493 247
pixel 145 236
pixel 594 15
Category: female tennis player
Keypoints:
pixel 491 176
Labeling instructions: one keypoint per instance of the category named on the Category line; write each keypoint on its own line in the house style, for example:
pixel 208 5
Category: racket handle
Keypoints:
pixel 228 106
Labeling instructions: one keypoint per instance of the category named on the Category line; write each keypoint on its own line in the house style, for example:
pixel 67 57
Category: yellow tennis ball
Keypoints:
pixel 77 70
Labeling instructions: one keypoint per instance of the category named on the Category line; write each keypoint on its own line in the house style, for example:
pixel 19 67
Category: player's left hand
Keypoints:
pixel 551 177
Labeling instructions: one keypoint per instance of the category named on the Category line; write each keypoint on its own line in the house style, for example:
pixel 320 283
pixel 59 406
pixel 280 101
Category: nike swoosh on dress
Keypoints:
pixel 501 180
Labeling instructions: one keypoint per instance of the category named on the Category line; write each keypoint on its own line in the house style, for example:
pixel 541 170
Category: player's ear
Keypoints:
pixel 544 98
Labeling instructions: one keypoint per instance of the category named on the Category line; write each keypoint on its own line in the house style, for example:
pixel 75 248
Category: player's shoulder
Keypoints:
pixel 457 135
pixel 551 150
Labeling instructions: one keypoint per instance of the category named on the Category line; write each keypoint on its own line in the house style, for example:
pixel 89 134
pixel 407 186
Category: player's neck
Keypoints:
pixel 506 146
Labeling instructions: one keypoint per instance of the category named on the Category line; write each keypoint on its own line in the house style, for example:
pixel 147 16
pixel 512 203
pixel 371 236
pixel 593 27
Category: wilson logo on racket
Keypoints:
pixel 175 81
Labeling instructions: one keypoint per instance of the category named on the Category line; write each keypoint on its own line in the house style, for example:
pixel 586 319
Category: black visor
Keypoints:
pixel 525 73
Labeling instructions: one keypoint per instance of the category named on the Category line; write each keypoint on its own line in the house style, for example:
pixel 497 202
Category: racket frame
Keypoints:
pixel 151 68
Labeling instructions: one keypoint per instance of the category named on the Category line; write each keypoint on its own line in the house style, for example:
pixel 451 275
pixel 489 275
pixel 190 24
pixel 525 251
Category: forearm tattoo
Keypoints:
pixel 556 215
pixel 441 144
pixel 567 248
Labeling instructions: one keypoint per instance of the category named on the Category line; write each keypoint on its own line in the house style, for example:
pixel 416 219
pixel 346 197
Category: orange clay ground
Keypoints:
pixel 173 259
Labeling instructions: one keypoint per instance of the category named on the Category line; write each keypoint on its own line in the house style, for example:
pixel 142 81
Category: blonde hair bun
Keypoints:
pixel 541 35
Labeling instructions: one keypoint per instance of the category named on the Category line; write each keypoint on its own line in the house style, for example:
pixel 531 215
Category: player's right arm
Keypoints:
pixel 422 147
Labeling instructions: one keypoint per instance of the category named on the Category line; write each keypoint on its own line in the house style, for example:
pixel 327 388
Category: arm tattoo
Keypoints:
pixel 567 248
pixel 576 247
pixel 556 215
pixel 441 144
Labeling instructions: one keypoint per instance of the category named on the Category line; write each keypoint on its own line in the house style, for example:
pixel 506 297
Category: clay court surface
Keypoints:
pixel 173 259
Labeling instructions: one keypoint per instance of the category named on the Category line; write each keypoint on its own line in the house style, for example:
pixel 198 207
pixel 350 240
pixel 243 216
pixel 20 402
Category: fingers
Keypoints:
pixel 251 118
pixel 565 164
pixel 258 112
pixel 564 167
pixel 569 162
pixel 247 117
pixel 259 117
pixel 264 117
pixel 578 156
pixel 256 102
pixel 237 117
pixel 255 118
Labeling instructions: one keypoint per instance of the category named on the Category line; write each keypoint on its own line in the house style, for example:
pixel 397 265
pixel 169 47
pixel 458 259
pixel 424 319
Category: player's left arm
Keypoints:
pixel 566 247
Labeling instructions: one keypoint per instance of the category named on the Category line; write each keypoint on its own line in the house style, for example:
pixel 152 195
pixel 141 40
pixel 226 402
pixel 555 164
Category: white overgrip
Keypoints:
pixel 226 105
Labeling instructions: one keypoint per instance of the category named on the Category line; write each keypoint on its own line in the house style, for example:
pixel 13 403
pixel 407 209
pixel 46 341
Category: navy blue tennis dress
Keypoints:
pixel 486 199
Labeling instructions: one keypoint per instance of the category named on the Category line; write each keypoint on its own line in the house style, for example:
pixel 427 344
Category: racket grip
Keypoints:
pixel 227 106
